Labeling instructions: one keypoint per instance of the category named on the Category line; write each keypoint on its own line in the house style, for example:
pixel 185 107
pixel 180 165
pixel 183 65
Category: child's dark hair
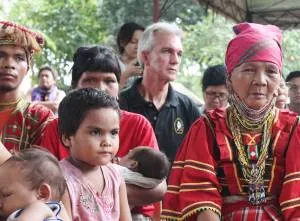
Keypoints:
pixel 39 166
pixel 214 76
pixel 125 34
pixel 94 58
pixel 151 163
pixel 74 107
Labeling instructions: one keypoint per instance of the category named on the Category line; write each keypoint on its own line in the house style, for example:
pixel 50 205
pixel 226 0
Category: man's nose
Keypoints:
pixel 8 62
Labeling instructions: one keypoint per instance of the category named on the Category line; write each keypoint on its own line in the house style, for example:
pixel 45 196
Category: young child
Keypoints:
pixel 144 167
pixel 31 187
pixel 89 126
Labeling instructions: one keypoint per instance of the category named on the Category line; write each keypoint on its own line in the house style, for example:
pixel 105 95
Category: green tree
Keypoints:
pixel 204 45
pixel 291 50
pixel 66 26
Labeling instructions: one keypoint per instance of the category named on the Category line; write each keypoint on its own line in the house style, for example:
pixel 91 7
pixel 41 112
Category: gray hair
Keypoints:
pixel 146 41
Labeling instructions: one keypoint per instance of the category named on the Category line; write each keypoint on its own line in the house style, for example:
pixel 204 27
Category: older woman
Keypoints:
pixel 241 163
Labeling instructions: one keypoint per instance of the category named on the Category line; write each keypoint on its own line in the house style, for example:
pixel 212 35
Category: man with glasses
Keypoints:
pixel 215 93
pixel 293 83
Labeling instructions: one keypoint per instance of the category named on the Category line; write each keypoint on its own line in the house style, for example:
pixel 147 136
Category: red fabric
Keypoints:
pixel 135 130
pixel 202 178
pixel 254 42
pixel 25 126
pixel 4 116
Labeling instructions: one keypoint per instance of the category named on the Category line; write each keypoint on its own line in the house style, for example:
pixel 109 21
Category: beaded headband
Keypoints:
pixel 12 33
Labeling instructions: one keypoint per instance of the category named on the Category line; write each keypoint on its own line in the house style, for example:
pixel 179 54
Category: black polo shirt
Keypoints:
pixel 170 123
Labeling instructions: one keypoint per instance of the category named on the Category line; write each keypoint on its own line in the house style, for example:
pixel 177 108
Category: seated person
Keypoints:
pixel 47 93
pixel 31 179
pixel 144 167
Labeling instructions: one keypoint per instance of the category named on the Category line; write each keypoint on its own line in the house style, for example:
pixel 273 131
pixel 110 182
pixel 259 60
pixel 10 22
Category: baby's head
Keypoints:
pixel 89 122
pixel 147 161
pixel 28 176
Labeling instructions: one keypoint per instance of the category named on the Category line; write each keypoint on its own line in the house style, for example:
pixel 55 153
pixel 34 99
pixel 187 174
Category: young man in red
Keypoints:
pixel 21 123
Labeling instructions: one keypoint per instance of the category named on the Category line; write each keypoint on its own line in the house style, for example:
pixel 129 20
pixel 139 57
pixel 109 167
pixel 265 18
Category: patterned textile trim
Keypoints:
pixel 289 204
pixel 200 166
pixel 203 186
pixel 291 177
pixel 200 206
pixel 274 161
pixel 236 176
pixel 170 215
pixel 195 165
pixel 190 211
pixel 21 106
pixel 178 164
pixel 173 189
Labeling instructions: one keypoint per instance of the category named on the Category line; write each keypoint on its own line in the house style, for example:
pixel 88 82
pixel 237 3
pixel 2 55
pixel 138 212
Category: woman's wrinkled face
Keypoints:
pixel 256 83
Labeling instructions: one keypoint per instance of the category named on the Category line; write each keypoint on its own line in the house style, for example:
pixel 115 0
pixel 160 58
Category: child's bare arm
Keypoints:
pixel 138 196
pixel 66 201
pixel 125 214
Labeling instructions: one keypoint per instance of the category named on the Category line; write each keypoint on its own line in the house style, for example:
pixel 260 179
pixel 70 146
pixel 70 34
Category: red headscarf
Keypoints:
pixel 254 42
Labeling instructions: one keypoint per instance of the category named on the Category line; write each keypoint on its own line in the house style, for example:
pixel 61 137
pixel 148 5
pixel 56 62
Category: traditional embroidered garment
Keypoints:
pixel 88 204
pixel 25 125
pixel 207 175
pixel 42 94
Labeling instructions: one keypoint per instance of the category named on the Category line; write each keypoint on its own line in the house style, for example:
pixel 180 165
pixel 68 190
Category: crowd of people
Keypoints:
pixel 123 144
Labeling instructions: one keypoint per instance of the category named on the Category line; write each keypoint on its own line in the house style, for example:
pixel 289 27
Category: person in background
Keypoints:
pixel 171 113
pixel 293 84
pixel 31 187
pixel 96 190
pixel 127 42
pixel 98 67
pixel 282 98
pixel 214 89
pixel 241 163
pixel 21 123
pixel 47 92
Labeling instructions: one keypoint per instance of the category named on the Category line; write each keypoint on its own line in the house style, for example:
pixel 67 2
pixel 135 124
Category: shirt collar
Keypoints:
pixel 139 99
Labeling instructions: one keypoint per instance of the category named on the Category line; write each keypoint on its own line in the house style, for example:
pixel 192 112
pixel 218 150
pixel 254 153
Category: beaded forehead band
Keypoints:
pixel 12 33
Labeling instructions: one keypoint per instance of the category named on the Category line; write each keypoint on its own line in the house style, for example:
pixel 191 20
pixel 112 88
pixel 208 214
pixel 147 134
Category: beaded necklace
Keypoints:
pixel 253 172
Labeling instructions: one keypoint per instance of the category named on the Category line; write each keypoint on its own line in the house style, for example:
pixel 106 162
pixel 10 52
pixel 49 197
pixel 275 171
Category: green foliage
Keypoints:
pixel 118 12
pixel 291 48
pixel 204 45
pixel 66 26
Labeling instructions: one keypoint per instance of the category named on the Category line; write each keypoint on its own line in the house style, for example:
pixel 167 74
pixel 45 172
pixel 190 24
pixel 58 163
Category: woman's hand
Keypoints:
pixel 132 69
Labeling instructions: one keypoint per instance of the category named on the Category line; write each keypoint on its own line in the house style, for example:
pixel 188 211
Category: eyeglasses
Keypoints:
pixel 213 95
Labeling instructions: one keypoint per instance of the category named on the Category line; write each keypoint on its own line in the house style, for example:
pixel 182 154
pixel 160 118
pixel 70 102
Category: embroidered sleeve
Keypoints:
pixel 193 186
